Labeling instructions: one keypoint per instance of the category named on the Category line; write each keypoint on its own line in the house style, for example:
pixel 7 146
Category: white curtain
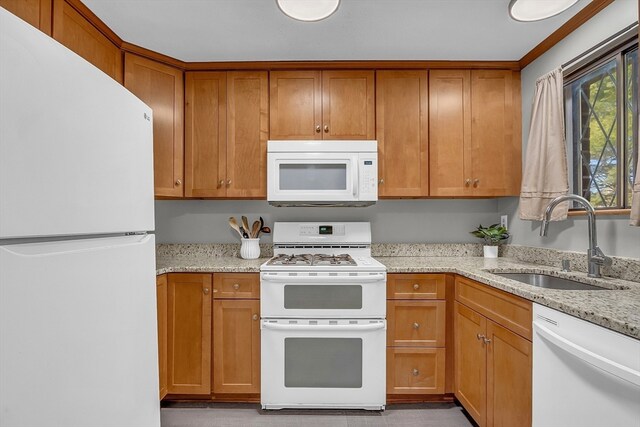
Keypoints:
pixel 635 203
pixel 545 174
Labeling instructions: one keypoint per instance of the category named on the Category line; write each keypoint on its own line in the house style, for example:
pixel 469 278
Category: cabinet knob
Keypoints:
pixel 236 286
pixel 467 182
pixel 255 317
pixel 416 325
pixel 480 337
pixel 228 182
pixel 415 372
pixel 318 129
pixel 486 340
pixel 476 182
pixel 206 291
pixel 326 129
pixel 381 181
pixel 221 182
pixel 178 182
pixel 416 286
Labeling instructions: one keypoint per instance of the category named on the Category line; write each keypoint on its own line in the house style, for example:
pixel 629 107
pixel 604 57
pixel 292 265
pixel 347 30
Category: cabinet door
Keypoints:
pixel 348 106
pixel 72 30
pixel 470 362
pixel 509 361
pixel 205 143
pixel 236 346
pixel 402 132
pixel 449 132
pixel 161 298
pixel 161 87
pixel 35 12
pixel 247 133
pixel 416 323
pixel 189 326
pixel 492 132
pixel 415 370
pixel 295 105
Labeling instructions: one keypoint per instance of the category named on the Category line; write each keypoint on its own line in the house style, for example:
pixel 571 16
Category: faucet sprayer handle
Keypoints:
pixel 600 258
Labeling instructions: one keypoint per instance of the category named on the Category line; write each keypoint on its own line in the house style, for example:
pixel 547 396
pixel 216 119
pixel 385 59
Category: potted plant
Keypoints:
pixel 492 236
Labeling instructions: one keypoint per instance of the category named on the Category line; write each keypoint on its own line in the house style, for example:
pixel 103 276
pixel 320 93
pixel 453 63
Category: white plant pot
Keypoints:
pixel 250 248
pixel 490 251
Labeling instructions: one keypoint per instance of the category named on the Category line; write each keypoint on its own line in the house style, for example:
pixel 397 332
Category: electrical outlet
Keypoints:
pixel 504 220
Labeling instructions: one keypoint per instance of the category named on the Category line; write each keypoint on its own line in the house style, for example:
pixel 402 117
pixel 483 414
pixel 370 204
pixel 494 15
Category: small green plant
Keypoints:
pixel 492 235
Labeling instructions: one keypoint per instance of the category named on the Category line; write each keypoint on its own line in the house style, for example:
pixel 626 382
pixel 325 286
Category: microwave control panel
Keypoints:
pixel 368 176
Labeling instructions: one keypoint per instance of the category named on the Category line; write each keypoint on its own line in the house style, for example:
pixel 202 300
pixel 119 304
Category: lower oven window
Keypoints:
pixel 323 362
pixel 324 297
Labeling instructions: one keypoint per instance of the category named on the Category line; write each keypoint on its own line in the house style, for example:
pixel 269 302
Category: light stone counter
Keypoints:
pixel 617 308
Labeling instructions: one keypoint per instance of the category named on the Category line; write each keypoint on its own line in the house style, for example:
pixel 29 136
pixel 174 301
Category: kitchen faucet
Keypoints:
pixel 595 256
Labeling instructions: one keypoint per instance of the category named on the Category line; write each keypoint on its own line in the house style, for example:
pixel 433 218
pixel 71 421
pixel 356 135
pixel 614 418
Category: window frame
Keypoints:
pixel 587 64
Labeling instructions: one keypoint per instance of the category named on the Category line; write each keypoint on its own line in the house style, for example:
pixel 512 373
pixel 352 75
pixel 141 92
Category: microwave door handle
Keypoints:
pixel 327 328
pixel 323 279
pixel 354 177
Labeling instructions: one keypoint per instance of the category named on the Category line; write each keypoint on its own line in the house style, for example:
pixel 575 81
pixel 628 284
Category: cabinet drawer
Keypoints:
pixel 415 370
pixel 416 323
pixel 415 286
pixel 510 311
pixel 236 285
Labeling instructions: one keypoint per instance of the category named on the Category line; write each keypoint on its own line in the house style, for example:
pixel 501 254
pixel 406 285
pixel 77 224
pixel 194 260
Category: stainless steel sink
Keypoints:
pixel 549 282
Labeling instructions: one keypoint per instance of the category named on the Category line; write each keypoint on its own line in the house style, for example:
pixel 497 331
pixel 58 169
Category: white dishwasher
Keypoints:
pixel 583 374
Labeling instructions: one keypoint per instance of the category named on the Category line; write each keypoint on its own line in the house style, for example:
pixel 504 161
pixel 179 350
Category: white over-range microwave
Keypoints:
pixel 322 173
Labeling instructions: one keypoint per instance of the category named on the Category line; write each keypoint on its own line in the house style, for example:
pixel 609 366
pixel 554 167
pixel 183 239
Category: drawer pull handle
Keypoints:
pixel 415 372
pixel 416 325
pixel 416 287
pixel 236 286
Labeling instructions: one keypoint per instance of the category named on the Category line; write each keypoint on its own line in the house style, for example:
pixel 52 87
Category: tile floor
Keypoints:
pixel 249 415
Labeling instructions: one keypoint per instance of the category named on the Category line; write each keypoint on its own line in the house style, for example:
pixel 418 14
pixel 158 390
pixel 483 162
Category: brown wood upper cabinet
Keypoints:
pixel 35 12
pixel 78 34
pixel 189 332
pixel 402 133
pixel 474 133
pixel 311 105
pixel 226 134
pixel 160 86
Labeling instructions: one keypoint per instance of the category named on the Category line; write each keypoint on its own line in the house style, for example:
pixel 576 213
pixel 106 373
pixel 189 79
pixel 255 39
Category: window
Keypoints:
pixel 601 102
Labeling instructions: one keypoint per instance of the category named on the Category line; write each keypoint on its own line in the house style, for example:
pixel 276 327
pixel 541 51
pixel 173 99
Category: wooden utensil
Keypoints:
pixel 245 223
pixel 265 230
pixel 255 229
pixel 234 224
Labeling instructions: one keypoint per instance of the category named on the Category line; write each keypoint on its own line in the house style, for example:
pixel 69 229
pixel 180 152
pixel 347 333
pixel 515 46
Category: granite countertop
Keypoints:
pixel 617 308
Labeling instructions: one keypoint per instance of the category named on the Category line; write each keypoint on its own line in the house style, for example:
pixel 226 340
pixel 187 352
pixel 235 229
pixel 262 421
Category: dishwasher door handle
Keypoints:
pixel 328 328
pixel 623 372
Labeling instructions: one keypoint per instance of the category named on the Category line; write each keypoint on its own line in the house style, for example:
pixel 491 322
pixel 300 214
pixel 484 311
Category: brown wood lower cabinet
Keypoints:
pixel 189 333
pixel 236 346
pixel 416 334
pixel 161 298
pixel 492 363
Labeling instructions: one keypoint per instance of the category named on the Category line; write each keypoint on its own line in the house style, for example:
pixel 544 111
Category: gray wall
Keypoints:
pixel 616 237
pixel 392 221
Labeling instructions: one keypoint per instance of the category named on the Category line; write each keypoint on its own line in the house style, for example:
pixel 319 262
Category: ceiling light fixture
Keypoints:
pixel 308 10
pixel 536 10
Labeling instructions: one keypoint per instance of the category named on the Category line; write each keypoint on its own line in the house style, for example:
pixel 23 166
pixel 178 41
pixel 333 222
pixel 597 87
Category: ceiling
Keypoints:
pixel 256 30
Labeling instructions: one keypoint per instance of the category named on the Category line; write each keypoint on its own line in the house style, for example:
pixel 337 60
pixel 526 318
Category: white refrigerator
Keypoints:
pixel 78 335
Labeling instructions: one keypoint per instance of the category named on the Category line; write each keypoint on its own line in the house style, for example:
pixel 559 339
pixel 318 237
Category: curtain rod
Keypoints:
pixel 624 33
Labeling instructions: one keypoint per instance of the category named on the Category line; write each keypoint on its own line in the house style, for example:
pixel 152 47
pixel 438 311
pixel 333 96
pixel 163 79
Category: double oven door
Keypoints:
pixel 323 338
pixel 323 295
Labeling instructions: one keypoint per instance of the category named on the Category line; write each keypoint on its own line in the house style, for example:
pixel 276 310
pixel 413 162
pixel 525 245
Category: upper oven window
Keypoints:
pixel 323 297
pixel 313 176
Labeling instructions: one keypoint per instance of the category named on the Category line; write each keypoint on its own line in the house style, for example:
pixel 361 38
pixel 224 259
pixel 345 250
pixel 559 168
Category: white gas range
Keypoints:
pixel 323 327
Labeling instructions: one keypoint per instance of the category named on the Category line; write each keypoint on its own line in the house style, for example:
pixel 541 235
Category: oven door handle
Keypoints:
pixel 328 328
pixel 324 279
